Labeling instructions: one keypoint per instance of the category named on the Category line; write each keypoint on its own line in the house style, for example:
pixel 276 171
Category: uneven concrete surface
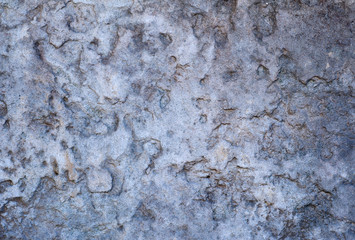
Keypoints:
pixel 176 119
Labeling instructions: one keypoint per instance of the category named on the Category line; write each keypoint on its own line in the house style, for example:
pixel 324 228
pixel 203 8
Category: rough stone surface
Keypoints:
pixel 176 119
pixel 99 180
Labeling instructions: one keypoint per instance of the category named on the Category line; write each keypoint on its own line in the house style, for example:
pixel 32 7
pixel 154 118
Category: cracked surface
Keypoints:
pixel 124 119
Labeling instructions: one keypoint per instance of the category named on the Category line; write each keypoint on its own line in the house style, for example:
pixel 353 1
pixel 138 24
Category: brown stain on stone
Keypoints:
pixel 70 167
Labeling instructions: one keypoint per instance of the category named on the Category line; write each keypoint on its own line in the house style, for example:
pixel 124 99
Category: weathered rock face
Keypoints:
pixel 205 119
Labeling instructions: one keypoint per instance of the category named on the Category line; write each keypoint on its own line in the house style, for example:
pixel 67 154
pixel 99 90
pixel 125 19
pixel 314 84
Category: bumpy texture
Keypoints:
pixel 176 119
